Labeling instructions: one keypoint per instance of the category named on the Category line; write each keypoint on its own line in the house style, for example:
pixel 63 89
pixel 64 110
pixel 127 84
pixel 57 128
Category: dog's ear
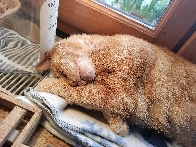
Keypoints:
pixel 45 63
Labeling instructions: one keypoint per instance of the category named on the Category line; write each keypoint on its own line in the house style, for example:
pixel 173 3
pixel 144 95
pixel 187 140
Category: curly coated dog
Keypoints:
pixel 129 80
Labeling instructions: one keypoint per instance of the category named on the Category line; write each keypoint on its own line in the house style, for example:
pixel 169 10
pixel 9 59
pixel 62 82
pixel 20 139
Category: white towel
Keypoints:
pixel 81 127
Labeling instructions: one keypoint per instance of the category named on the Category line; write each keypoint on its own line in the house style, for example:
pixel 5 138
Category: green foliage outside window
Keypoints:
pixel 149 11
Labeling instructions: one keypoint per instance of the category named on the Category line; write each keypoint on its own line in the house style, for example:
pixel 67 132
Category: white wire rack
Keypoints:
pixel 18 58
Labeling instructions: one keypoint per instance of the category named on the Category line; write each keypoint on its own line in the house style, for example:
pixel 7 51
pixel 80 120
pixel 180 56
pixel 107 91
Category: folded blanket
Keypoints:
pixel 80 127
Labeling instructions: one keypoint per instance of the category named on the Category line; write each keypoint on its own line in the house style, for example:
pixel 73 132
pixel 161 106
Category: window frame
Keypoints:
pixel 152 32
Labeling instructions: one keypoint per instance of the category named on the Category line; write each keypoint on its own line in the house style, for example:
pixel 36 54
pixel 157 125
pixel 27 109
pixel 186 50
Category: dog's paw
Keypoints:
pixel 118 125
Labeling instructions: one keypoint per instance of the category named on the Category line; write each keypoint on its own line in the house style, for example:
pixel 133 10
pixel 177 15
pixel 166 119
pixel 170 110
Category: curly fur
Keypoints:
pixel 129 80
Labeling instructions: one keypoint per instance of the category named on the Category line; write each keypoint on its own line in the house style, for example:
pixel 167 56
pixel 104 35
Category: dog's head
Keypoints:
pixel 70 58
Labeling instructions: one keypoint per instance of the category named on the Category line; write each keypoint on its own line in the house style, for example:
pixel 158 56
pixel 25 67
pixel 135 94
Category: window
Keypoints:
pixel 145 12
pixel 77 16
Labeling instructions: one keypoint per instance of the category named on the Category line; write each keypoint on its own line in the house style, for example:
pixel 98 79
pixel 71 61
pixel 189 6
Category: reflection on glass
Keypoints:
pixel 146 12
pixel 22 22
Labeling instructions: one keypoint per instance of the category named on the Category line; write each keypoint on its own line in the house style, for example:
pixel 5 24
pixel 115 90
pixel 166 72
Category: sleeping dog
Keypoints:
pixel 128 79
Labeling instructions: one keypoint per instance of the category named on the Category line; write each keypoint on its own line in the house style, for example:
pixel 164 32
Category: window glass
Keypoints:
pixel 145 12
